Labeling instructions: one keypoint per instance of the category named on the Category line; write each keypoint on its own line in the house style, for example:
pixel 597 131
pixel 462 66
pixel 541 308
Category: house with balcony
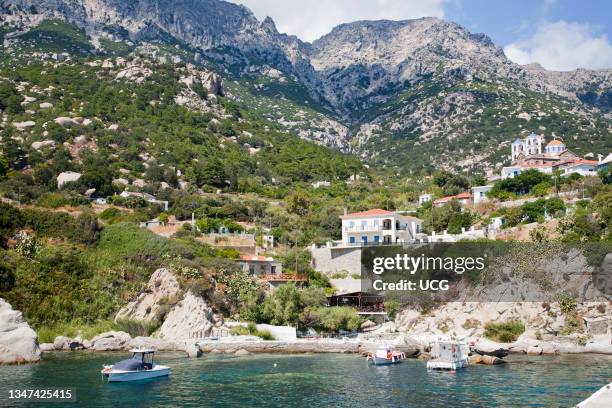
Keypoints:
pixel 379 227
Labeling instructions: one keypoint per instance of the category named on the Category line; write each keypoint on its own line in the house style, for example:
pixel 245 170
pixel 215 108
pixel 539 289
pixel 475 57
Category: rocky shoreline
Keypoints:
pixel 413 346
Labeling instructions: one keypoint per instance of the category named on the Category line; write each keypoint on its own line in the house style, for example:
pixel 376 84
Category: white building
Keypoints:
pixel 479 193
pixel 376 227
pixel 424 198
pixel 582 167
pixel 319 184
pixel 257 265
pixel 462 198
pixel 532 144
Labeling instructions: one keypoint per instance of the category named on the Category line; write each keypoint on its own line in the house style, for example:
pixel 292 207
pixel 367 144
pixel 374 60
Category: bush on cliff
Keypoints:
pixel 504 332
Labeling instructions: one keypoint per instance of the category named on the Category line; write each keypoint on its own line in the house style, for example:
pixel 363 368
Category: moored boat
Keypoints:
pixel 448 355
pixel 139 367
pixel 385 356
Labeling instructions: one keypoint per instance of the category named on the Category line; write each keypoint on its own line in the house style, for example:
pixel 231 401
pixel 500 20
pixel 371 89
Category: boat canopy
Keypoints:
pixel 129 365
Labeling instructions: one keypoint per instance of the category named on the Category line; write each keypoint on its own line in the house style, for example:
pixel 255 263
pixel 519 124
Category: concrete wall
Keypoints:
pixel 332 260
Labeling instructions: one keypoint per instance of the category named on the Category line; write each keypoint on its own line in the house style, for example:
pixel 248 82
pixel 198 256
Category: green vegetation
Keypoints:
pixel 504 332
pixel 251 329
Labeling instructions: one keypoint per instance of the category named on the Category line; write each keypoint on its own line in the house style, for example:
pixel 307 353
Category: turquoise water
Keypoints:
pixel 339 380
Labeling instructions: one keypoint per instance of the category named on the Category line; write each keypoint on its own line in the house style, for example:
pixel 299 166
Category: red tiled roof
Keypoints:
pixel 555 142
pixel 460 196
pixel 374 212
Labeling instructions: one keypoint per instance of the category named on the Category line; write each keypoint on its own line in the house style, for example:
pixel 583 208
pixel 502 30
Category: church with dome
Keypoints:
pixel 533 152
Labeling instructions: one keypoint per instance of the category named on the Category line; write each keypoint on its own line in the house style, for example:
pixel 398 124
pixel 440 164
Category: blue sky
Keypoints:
pixel 558 34
pixel 509 21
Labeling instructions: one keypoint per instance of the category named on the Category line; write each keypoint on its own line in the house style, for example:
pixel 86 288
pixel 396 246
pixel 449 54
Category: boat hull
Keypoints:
pixel 384 361
pixel 122 376
pixel 447 365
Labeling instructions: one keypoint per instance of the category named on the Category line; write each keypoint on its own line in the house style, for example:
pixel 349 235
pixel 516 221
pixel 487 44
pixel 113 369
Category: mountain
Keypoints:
pixel 410 95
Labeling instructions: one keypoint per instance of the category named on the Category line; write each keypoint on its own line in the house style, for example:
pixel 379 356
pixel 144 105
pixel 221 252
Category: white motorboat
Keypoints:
pixel 385 356
pixel 449 355
pixel 139 367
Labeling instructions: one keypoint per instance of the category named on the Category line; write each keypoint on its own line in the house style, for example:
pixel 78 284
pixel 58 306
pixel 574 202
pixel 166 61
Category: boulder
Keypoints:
pixel 534 350
pixel 46 347
pixel 66 121
pixel 76 343
pixel 110 341
pixel 67 177
pixel 18 342
pixel 24 125
pixel 241 352
pixel 486 347
pixel 191 317
pixel 43 143
pixel 486 360
pixel 161 287
pixel 46 105
pixel 367 324
pixel 61 343
pixel 192 350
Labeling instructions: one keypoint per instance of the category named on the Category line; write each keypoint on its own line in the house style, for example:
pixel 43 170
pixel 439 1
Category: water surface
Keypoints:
pixel 321 380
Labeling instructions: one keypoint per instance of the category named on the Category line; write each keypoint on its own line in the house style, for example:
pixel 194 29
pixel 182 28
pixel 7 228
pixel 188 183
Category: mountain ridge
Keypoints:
pixel 386 81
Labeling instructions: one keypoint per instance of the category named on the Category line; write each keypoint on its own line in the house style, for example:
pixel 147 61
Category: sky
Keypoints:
pixel 558 34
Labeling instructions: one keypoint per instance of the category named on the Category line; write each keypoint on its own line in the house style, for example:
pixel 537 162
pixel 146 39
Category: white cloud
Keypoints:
pixel 563 46
pixel 310 19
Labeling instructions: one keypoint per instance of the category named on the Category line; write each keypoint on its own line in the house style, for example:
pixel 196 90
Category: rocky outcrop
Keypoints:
pixel 67 177
pixel 18 342
pixel 110 341
pixel 190 317
pixel 486 347
pixel 67 343
pixel 161 290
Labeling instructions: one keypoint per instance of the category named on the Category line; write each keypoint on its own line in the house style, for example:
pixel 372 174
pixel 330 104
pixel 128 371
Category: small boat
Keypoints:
pixel 139 367
pixel 385 356
pixel 449 355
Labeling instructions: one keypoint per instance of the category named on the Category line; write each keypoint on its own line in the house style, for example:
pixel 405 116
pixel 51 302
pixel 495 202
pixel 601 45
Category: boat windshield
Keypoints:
pixel 145 358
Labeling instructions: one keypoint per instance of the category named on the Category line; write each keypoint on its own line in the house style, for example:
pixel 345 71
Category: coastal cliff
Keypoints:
pixel 18 342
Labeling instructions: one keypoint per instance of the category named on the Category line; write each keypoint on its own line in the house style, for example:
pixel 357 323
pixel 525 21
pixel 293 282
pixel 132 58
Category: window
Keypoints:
pixel 352 224
pixel 364 225
pixel 364 239
pixel 352 240
pixel 376 238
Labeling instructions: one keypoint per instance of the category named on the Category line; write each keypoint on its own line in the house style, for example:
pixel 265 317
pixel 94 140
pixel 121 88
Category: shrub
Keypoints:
pixel 567 303
pixel 504 332
pixel 338 318
pixel 239 331
pixel 391 307
pixel 52 200
pixel 264 335
pixel 136 327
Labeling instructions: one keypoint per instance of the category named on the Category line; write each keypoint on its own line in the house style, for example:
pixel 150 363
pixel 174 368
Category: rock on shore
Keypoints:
pixel 110 341
pixel 190 316
pixel 18 342
pixel 161 286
